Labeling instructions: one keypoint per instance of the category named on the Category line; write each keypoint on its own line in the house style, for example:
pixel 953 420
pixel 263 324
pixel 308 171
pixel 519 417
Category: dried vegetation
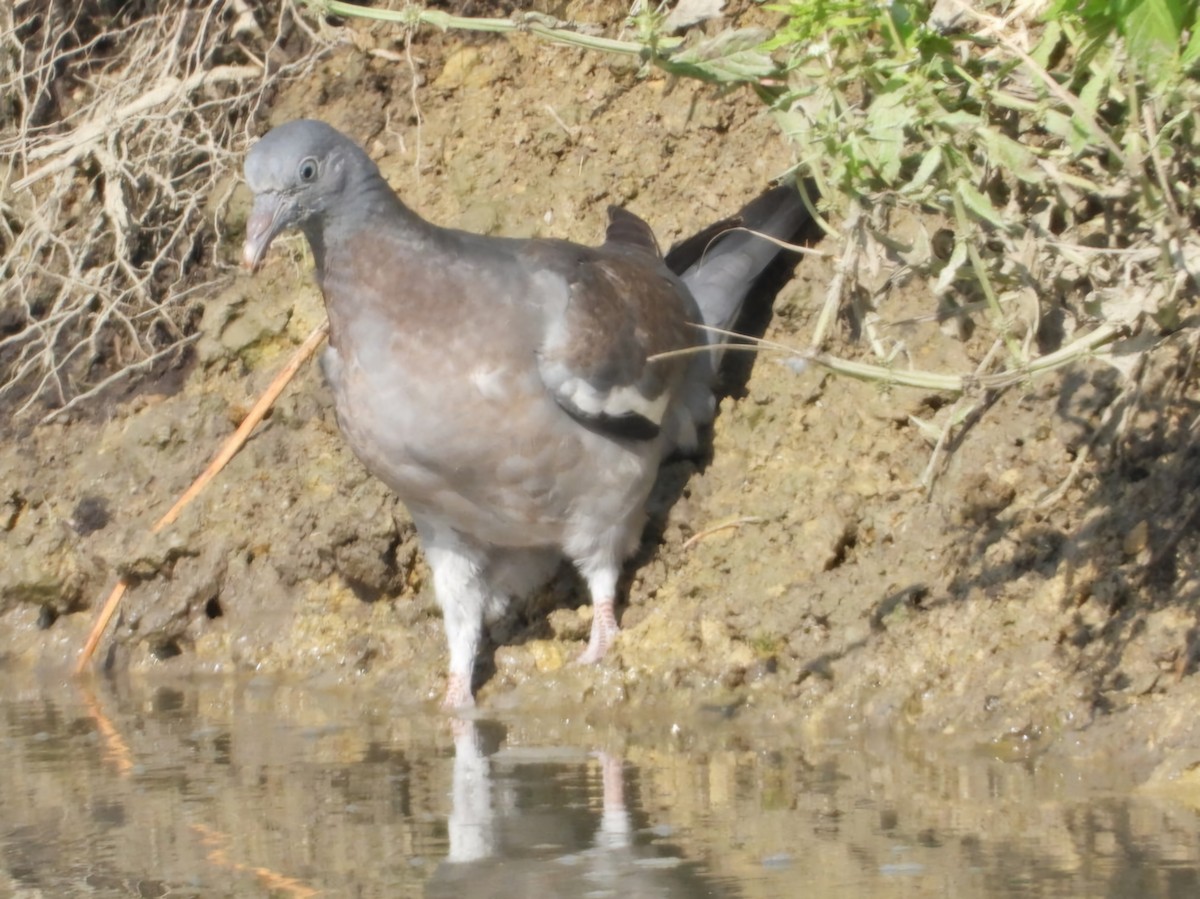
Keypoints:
pixel 119 133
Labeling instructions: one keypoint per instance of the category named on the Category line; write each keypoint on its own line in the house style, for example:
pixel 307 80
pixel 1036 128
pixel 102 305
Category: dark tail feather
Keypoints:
pixel 720 265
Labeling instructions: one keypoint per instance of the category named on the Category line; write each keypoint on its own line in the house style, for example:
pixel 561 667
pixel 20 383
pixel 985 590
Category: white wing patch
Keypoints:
pixel 617 402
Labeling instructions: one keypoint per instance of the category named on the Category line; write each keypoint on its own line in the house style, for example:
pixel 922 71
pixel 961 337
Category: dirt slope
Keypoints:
pixel 1032 600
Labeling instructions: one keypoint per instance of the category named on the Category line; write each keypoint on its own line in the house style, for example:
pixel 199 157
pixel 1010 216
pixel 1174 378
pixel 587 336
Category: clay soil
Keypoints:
pixel 1036 595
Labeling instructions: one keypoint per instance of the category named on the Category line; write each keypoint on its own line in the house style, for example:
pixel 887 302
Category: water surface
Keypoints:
pixel 262 788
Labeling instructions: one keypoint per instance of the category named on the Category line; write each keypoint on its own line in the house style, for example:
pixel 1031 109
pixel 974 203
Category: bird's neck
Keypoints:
pixel 373 253
pixel 362 208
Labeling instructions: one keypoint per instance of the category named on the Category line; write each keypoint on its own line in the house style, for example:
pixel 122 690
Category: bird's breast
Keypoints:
pixel 438 393
pixel 476 442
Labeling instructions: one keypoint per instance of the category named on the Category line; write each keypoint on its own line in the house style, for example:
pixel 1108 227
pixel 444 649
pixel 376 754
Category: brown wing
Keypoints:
pixel 622 306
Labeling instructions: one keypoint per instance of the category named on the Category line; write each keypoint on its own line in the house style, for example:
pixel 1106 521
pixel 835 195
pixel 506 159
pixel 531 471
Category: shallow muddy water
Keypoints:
pixel 228 788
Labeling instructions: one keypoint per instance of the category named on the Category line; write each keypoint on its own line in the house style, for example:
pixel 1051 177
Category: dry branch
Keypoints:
pixel 111 208
pixel 227 451
pixel 81 140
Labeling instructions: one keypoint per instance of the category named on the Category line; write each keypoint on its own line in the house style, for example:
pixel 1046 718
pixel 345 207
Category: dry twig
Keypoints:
pixel 117 135
pixel 227 452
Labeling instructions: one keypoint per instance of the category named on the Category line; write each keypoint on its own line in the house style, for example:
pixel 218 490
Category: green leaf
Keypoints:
pixel 979 205
pixel 958 121
pixel 1068 129
pixel 904 20
pixel 1191 53
pixel 1152 31
pixel 929 164
pixel 947 276
pixel 1006 153
pixel 731 56
pixel 887 120
pixel 1095 89
pixel 1047 44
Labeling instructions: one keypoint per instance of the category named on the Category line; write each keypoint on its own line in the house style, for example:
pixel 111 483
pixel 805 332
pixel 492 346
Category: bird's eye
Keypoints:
pixel 308 169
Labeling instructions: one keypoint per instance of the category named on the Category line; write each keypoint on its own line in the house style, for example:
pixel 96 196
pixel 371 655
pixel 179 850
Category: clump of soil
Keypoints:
pixel 1032 591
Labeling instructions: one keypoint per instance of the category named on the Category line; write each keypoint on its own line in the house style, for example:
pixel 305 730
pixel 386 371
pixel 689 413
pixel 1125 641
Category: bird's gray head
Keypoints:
pixel 298 173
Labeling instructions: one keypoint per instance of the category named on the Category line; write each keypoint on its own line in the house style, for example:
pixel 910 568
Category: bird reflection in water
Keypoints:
pixel 532 823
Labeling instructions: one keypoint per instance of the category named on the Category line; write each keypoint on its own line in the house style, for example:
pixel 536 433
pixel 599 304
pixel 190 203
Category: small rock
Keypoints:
pixel 1136 538
pixel 457 67
pixel 547 655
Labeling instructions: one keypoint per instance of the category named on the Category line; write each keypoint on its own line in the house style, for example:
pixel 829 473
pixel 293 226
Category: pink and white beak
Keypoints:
pixel 269 216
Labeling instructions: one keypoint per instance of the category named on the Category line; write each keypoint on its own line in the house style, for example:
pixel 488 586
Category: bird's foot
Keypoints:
pixel 604 632
pixel 458 693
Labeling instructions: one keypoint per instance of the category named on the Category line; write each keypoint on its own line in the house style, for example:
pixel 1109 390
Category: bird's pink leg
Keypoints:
pixel 463 595
pixel 458 692
pixel 602 584
pixel 604 632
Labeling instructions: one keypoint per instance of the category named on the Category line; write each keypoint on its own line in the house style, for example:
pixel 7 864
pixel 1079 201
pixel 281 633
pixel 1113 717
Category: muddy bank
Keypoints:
pixel 1037 597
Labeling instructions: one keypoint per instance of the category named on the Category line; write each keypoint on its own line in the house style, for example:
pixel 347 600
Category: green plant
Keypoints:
pixel 1058 152
pixel 1160 36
